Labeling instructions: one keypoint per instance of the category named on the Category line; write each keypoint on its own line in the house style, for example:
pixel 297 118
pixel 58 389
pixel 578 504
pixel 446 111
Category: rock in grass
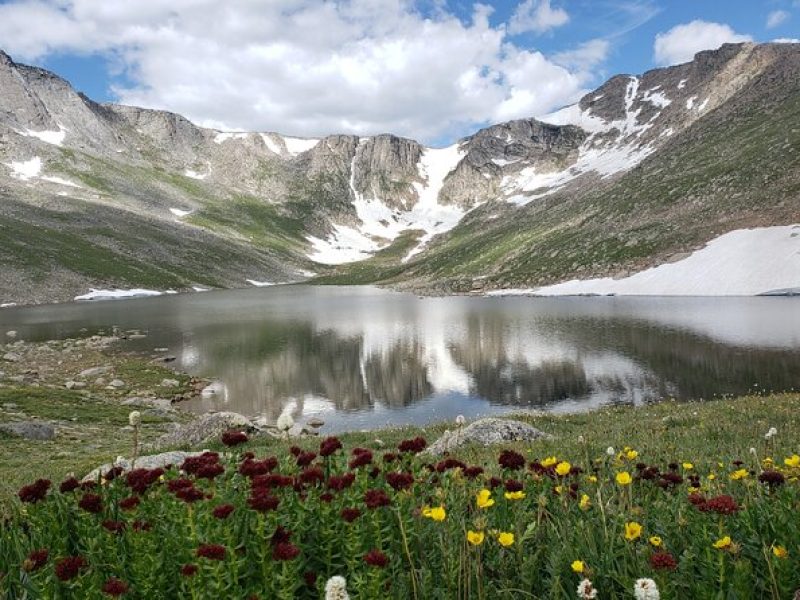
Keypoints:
pixel 205 428
pixel 30 430
pixel 93 372
pixel 486 432
pixel 152 461
pixel 11 357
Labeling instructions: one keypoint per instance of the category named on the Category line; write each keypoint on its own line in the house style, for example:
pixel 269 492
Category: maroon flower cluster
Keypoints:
pixel 450 463
pixel 69 485
pixel 511 460
pixel 204 466
pixel 723 505
pixel 69 567
pixel 341 482
pixel 664 561
pixel 772 478
pixel 139 480
pixel 115 587
pixel 34 492
pixel 189 570
pixel 400 481
pixel 350 514
pixel 376 558
pixel 129 503
pixel 282 548
pixel 361 457
pixel 414 446
pixel 91 503
pixel 304 459
pixel 252 468
pixel 376 498
pixel 329 445
pixel 211 551
pixel 234 438
pixel 36 560
pixel 114 526
pixel 223 511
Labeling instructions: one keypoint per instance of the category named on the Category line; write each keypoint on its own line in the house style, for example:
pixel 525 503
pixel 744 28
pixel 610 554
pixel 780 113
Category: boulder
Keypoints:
pixel 485 432
pixel 152 461
pixel 170 383
pixel 205 428
pixel 116 383
pixel 11 357
pixel 94 372
pixel 30 430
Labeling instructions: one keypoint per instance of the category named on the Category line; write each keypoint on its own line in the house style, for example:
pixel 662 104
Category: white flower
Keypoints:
pixel 753 451
pixel 580 439
pixel 460 420
pixel 646 589
pixel 285 422
pixel 336 589
pixel 135 418
pixel 772 432
pixel 610 451
pixel 586 590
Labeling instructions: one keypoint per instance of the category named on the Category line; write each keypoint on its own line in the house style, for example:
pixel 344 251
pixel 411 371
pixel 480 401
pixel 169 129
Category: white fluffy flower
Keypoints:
pixel 610 451
pixel 753 451
pixel 460 420
pixel 646 589
pixel 336 589
pixel 134 418
pixel 586 590
pixel 580 439
pixel 285 422
pixel 772 432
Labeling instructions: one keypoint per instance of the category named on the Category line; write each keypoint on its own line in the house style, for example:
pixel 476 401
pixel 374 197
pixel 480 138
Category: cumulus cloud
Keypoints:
pixel 584 57
pixel 776 17
pixel 682 42
pixel 537 16
pixel 305 67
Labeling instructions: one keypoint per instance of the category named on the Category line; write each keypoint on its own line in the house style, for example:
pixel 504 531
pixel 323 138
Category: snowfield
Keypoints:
pixel 56 138
pixel 26 170
pixel 120 294
pixel 744 262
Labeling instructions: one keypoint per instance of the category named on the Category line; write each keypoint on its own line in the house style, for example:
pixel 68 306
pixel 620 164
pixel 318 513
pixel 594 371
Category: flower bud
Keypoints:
pixel 135 418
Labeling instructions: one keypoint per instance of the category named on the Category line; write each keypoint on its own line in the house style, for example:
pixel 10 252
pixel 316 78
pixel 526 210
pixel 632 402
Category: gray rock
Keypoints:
pixel 12 357
pixel 9 406
pixel 205 428
pixel 170 383
pixel 157 403
pixel 116 383
pixel 486 432
pixel 30 430
pixel 69 385
pixel 152 461
pixel 100 381
pixel 94 372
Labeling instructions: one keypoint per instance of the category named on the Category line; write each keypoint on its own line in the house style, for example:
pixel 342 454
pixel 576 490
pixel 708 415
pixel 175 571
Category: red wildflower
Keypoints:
pixel 34 492
pixel 189 494
pixel 305 458
pixel 376 558
pixel 340 482
pixel 192 464
pixel 670 479
pixel 389 457
pixel 350 514
pixel 270 480
pixel 450 463
pixel 69 567
pixel 91 503
pixel 115 587
pixel 36 560
pixel 129 503
pixel 473 472
pixel 173 485
pixel 310 578
pixel 188 570
pixel 512 485
pixel 400 481
pixel 414 446
pixel 88 485
pixel 280 536
pixel 114 526
pixel 222 511
pixel 329 445
pixel 311 475
pixel 494 482
pixel 697 499
pixel 113 473
pixel 262 501
pixel 211 551
pixel 376 499
pixel 141 479
pixel 234 438
pixel 327 497
pixel 68 485
pixel 210 471
pixel 251 468
pixel 663 560
pixel 361 457
pixel 140 526
pixel 723 505
pixel 511 460
pixel 285 551
pixel 772 478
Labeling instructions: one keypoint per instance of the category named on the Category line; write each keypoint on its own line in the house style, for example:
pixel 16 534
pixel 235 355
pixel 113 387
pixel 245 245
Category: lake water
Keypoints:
pixel 361 357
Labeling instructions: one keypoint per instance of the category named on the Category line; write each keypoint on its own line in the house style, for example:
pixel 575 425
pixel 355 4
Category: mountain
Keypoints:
pixel 641 172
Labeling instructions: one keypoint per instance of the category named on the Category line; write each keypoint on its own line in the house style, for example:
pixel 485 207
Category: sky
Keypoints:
pixel 432 70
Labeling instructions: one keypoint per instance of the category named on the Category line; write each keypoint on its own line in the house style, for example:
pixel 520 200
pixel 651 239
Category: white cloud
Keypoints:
pixel 786 41
pixel 682 42
pixel 305 67
pixel 776 17
pixel 584 57
pixel 537 16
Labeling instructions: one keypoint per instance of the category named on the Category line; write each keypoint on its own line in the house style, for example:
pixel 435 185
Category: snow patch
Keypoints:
pixel 224 136
pixel 744 262
pixel 56 138
pixel 658 99
pixel 259 283
pixel 197 288
pixel 118 294
pixel 690 102
pixel 61 181
pixel 180 213
pixel 573 115
pixel 26 170
pixel 297 146
pixel 703 105
pixel 195 174
pixel 8 304
pixel 681 84
pixel 271 144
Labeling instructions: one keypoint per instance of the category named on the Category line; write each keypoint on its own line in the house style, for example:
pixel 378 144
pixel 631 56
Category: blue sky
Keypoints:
pixel 430 69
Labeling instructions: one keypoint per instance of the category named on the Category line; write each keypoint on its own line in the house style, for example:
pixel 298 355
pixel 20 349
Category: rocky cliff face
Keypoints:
pixel 269 207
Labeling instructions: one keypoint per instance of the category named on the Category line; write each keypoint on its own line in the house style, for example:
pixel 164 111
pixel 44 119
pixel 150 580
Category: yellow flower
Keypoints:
pixel 723 543
pixel 475 537
pixel 585 502
pixel 624 478
pixel 578 566
pixel 632 531
pixel 514 495
pixel 688 466
pixel 549 462
pixel 631 454
pixel 780 551
pixel 484 499
pixel 505 538
pixel 793 461
pixel 558 489
pixel 592 478
pixel 739 474
pixel 655 541
pixel 436 513
pixel 711 477
pixel 563 468
pixel 692 490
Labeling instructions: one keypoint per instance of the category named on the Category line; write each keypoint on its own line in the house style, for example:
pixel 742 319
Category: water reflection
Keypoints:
pixel 361 357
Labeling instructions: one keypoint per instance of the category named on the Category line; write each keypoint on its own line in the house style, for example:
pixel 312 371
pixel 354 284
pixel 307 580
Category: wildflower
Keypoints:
pixel 114 526
pixel 484 499
pixel 211 551
pixel 310 578
pixel 91 503
pixel 663 560
pixel 687 466
pixel 592 478
pixel 34 492
pixel 414 446
pixel 222 511
pixel 234 438
pixel 329 445
pixel 631 454
pixel 585 502
pixel 505 538
pixel 115 587
pixel 36 560
pixel 519 495
pixel 739 474
pixel 550 461
pixel 655 541
pixel 436 513
pixel 376 499
pixel 646 589
pixel 586 590
pixel 285 422
pixel 771 433
pixel 581 439
pixel 780 551
pixel 188 570
pixel 400 481
pixel 610 451
pixel 753 451
pixel 376 558
pixel 475 537
pixel 68 567
pixel 129 503
pixel 723 505
pixel 336 589
pixel 624 478
pixel 350 514
pixel 68 485
pixel 134 418
pixel 460 420
pixel 793 461
pixel 723 543
pixel 511 460
pixel 285 551
pixel 633 531
pixel 578 566
pixel 563 468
